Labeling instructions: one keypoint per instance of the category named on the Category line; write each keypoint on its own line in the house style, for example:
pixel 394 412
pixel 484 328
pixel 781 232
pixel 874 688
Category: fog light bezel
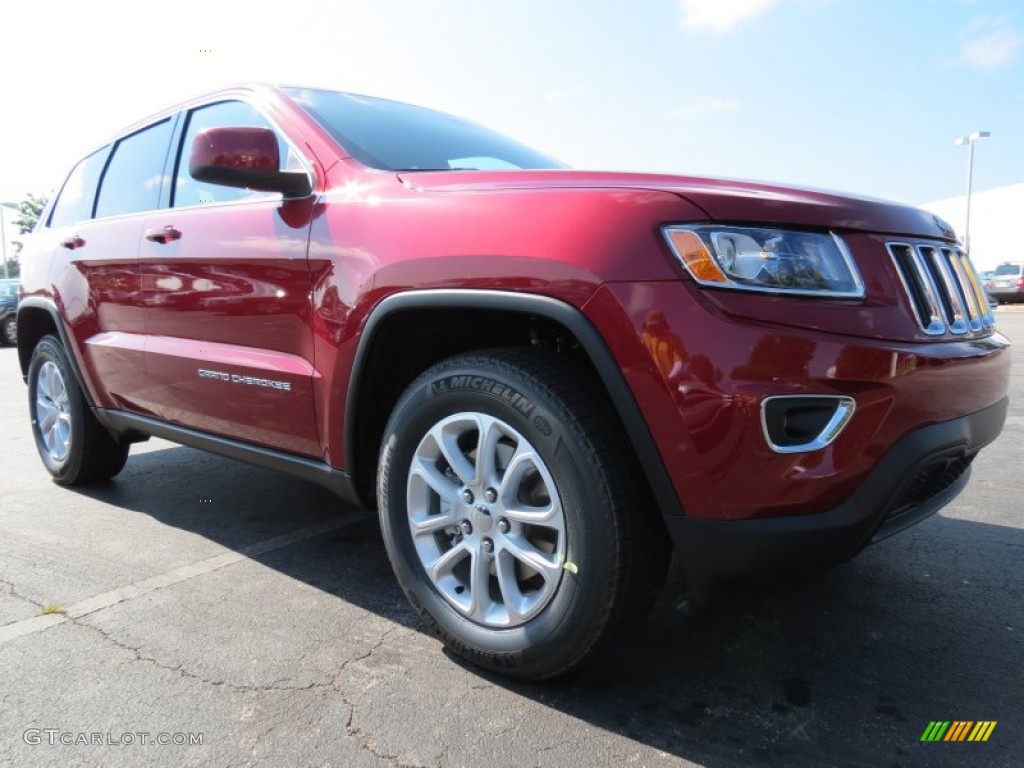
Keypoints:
pixel 842 412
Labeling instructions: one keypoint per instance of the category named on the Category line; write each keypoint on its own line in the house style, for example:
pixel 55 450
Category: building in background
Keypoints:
pixel 995 225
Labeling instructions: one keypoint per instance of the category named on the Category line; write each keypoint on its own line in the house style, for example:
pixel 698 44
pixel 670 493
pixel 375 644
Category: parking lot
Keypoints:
pixel 195 600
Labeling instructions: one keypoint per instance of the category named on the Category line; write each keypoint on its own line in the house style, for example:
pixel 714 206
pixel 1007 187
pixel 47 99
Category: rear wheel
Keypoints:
pixel 513 515
pixel 75 448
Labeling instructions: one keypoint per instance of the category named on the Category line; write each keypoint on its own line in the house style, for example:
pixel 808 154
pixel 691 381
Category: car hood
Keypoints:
pixel 723 200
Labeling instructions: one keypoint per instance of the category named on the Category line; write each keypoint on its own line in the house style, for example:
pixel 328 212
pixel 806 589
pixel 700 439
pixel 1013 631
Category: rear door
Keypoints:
pixel 96 271
pixel 226 288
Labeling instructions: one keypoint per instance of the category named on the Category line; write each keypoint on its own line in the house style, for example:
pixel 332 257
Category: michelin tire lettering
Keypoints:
pixel 482 384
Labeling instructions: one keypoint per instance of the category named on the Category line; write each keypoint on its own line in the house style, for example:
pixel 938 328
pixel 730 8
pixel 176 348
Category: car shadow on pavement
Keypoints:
pixel 844 667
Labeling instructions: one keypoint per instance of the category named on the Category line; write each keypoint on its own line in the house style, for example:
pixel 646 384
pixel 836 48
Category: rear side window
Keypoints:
pixel 1008 270
pixel 74 203
pixel 188 191
pixel 132 180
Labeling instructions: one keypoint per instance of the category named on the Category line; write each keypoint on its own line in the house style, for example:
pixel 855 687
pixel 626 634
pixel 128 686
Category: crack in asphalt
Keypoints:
pixel 189 674
pixel 182 670
pixel 344 665
pixel 363 739
pixel 12 590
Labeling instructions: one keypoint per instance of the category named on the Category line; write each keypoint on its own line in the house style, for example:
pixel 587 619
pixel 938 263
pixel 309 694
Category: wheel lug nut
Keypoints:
pixel 488 546
pixel 503 525
pixel 490 495
pixel 467 527
pixel 467 496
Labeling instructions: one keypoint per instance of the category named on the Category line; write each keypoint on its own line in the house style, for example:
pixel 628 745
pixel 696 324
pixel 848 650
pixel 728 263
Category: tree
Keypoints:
pixel 28 212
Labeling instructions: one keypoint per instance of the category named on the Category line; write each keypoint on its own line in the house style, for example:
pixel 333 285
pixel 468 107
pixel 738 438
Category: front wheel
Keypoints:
pixel 513 516
pixel 74 446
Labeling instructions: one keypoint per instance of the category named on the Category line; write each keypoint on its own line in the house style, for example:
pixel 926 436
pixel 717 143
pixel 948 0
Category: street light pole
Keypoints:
pixel 969 141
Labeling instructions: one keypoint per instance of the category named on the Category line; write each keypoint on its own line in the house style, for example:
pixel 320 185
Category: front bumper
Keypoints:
pixel 701 375
pixel 919 475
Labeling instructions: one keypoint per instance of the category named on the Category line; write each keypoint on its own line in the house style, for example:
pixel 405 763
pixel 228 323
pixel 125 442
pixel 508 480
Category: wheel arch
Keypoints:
pixel 490 318
pixel 38 317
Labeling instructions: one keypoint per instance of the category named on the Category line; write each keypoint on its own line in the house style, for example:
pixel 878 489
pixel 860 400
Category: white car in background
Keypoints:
pixel 1006 285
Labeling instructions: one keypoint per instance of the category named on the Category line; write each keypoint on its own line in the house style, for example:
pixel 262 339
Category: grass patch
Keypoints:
pixel 52 608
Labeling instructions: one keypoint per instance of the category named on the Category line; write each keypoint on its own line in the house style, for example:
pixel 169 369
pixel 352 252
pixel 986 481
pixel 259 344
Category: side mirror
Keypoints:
pixel 236 156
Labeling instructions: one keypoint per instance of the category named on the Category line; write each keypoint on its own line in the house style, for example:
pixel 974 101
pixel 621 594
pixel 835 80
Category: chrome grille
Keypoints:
pixel 943 288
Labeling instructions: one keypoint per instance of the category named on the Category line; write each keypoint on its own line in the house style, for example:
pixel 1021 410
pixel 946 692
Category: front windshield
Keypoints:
pixel 8 288
pixel 393 136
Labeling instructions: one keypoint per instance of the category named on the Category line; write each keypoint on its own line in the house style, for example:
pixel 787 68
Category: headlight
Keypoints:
pixel 767 259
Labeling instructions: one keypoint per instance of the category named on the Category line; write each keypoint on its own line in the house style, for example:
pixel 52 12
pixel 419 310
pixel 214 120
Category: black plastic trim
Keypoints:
pixel 541 306
pixel 38 302
pixel 713 548
pixel 127 424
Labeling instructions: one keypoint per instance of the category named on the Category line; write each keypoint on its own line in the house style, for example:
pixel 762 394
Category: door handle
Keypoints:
pixel 163 234
pixel 73 242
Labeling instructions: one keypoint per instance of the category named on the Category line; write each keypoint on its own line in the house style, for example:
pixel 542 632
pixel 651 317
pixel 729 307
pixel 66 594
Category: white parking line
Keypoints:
pixel 174 576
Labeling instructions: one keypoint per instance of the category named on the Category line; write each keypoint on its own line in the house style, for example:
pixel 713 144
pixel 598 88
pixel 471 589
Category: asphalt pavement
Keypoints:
pixel 201 612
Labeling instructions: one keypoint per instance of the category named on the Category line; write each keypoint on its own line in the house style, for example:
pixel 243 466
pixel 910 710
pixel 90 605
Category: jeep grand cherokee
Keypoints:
pixel 545 380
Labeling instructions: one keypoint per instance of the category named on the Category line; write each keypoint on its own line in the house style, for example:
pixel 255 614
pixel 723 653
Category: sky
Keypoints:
pixel 863 96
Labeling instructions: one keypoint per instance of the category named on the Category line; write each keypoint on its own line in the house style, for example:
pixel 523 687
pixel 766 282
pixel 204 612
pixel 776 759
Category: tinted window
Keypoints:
pixel 393 136
pixel 188 191
pixel 75 201
pixel 1004 270
pixel 132 180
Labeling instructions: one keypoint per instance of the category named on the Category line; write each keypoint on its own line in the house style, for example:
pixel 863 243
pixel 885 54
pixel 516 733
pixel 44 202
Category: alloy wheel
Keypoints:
pixel 486 520
pixel 53 411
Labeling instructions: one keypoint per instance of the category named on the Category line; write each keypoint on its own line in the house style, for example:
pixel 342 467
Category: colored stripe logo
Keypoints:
pixel 958 730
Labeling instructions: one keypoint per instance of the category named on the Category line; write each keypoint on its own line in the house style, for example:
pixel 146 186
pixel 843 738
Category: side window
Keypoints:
pixel 188 191
pixel 74 203
pixel 132 180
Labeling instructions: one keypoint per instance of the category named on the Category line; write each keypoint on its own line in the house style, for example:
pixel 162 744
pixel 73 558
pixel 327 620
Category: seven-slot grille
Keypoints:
pixel 943 288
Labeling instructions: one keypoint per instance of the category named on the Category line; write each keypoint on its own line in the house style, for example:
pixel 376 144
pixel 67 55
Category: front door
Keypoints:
pixel 226 287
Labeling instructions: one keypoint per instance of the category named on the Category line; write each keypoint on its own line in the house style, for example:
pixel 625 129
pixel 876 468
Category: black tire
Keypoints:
pixel 83 451
pixel 9 331
pixel 615 547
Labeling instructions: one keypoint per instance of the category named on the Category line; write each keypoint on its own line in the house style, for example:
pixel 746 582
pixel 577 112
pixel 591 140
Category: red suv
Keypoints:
pixel 545 380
